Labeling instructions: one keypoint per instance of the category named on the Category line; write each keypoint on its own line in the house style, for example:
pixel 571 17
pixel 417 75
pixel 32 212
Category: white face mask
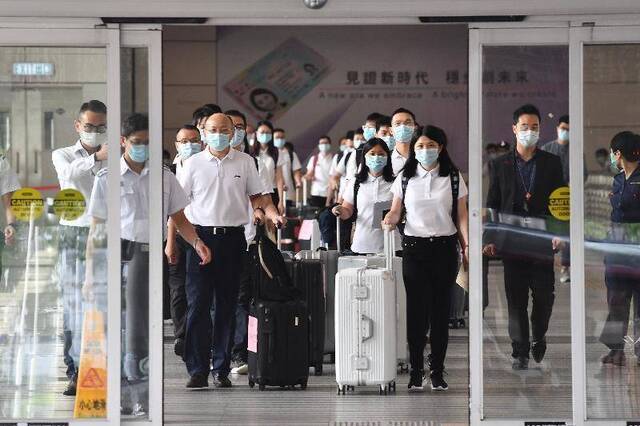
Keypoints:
pixel 528 138
pixel 93 140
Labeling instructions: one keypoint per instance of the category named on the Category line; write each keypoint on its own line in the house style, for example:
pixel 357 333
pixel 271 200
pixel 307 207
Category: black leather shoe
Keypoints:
pixel 538 350
pixel 520 363
pixel 221 381
pixel 71 386
pixel 198 381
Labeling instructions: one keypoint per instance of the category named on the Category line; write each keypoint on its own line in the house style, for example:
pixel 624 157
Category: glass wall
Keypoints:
pixel 612 230
pixel 52 290
pixel 526 288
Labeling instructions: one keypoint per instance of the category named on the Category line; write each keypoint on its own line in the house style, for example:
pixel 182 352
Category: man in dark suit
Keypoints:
pixel 520 184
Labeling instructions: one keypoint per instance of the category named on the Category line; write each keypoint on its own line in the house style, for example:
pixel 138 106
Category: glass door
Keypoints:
pixel 520 289
pixel 605 74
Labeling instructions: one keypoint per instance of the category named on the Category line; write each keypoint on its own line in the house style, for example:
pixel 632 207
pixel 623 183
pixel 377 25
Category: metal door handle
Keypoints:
pixel 18 162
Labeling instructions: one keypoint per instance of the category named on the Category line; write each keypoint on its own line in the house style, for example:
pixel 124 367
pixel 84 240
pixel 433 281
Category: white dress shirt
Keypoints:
pixel 268 167
pixel 320 183
pixel 397 162
pixel 218 189
pixel 428 203
pixel 8 179
pixel 288 167
pixel 369 236
pixel 134 199
pixel 77 170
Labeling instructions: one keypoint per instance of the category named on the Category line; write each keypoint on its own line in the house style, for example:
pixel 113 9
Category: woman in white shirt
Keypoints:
pixel 434 224
pixel 371 185
pixel 318 169
pixel 270 160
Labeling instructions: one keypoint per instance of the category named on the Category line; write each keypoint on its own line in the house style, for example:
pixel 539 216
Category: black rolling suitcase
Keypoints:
pixel 308 278
pixel 278 335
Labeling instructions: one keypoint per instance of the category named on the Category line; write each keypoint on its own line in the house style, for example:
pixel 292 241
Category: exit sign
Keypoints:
pixel 33 69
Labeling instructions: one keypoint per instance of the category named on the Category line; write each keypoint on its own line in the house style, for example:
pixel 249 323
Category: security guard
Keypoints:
pixel 219 180
pixel 622 276
pixel 77 166
pixel 134 216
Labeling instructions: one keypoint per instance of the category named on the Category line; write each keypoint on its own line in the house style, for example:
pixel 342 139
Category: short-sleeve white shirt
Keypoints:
pixel 397 162
pixel 428 203
pixel 219 188
pixel 320 183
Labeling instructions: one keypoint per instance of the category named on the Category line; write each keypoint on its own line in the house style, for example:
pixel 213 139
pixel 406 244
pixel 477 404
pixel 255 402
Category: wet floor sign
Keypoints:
pixel 91 393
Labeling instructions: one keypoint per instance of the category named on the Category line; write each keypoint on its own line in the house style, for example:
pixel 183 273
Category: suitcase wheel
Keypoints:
pixel 317 370
pixel 392 387
pixel 342 390
pixel 251 384
pixel 261 387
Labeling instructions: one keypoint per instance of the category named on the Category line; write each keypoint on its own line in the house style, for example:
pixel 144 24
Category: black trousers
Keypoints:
pixel 316 201
pixel 178 295
pixel 240 320
pixel 622 288
pixel 214 284
pixel 520 276
pixel 429 269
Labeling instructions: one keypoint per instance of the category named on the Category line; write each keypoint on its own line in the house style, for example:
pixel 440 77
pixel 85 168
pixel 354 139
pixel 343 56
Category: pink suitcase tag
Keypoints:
pixel 252 335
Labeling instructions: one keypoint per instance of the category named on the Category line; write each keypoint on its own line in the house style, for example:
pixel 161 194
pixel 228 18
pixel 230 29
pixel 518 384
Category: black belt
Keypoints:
pixel 430 239
pixel 221 230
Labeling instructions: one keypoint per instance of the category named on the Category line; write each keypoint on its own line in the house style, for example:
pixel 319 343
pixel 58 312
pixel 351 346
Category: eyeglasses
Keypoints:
pixel 90 128
pixel 189 141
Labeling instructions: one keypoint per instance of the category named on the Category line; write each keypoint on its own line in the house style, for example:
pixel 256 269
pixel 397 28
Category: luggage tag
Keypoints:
pixel 252 335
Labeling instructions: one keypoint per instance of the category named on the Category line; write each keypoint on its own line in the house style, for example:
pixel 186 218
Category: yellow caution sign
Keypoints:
pixel 559 203
pixel 91 393
pixel 26 202
pixel 69 204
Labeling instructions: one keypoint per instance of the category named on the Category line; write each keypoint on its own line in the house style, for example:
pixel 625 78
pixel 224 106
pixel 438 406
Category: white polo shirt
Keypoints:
pixel 8 179
pixel 320 183
pixel 134 199
pixel 218 189
pixel 76 169
pixel 428 203
pixel 397 162
pixel 288 167
pixel 368 236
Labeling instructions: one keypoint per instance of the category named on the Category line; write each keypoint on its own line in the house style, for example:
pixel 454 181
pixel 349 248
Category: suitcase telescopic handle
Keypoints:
pixel 338 248
pixel 389 247
pixel 305 192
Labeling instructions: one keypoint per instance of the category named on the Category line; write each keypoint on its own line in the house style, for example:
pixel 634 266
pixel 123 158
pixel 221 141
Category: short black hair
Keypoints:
pixel 349 134
pixel 374 116
pixel 278 129
pixel 563 119
pixel 215 107
pixel 324 137
pixel 94 106
pixel 236 113
pixel 383 121
pixel 527 109
pixel 135 122
pixel 628 143
pixel 200 113
pixel 358 131
pixel 188 127
pixel 405 111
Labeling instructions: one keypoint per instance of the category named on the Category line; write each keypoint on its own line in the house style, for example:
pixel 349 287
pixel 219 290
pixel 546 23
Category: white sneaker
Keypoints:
pixel 241 369
pixel 565 275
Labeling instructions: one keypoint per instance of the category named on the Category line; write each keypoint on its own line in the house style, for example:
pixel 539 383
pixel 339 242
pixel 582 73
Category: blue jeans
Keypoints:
pixel 214 284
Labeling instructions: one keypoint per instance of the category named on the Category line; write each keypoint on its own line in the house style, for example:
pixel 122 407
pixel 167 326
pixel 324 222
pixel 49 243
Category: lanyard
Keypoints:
pixel 528 194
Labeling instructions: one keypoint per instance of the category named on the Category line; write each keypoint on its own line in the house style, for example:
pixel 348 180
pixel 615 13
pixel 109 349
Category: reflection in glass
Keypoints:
pixel 525 239
pixel 612 230
pixel 42 302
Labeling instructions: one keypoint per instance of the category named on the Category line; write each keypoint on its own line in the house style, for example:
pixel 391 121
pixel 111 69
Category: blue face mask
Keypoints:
pixel 263 138
pixel 369 132
pixel 186 150
pixel 279 143
pixel 614 161
pixel 238 137
pixel 139 153
pixel 403 133
pixel 376 163
pixel 427 156
pixel 324 147
pixel 563 135
pixel 218 141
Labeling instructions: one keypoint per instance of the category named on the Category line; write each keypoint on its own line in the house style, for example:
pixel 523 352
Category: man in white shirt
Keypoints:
pixel 318 169
pixel 134 216
pixel 77 166
pixel 291 166
pixel 219 181
pixel 403 125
